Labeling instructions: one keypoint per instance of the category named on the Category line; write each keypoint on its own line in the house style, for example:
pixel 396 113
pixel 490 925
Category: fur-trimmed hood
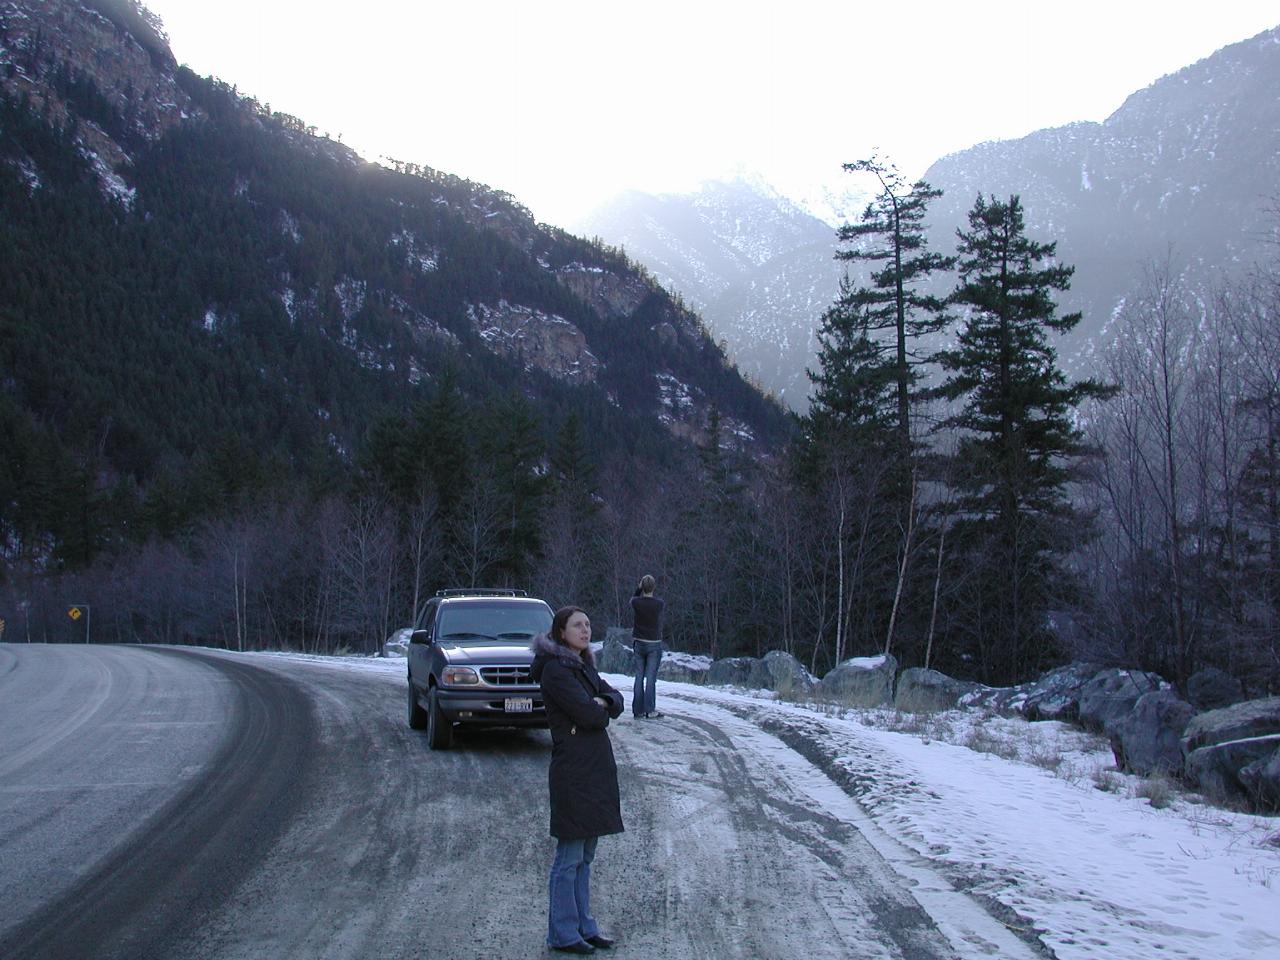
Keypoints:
pixel 545 650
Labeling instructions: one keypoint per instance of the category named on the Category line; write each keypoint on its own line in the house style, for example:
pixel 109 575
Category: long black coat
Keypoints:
pixel 583 777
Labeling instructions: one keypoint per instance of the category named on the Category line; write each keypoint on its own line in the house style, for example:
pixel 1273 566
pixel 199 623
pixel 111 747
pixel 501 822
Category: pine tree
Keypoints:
pixel 572 471
pixel 856 457
pixel 714 526
pixel 851 403
pixel 571 521
pixel 512 449
pixel 890 238
pixel 1017 435
pixel 443 439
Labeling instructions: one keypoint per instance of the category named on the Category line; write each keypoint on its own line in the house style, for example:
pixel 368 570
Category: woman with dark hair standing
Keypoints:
pixel 583 778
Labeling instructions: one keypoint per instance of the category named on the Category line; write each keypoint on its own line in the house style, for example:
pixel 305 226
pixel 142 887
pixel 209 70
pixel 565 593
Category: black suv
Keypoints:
pixel 469 662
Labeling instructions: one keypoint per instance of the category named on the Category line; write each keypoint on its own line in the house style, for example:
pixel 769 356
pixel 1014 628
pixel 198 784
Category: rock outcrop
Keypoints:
pixel 124 57
pixel 538 340
pixel 611 296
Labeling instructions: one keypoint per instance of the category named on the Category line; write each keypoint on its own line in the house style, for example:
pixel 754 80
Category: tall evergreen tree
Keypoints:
pixel 853 386
pixel 893 306
pixel 444 440
pixel 1017 436
pixel 512 450
pixel 572 521
pixel 572 470
pixel 856 458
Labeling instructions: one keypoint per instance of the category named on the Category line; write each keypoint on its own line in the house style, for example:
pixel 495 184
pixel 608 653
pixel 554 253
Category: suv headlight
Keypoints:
pixel 459 675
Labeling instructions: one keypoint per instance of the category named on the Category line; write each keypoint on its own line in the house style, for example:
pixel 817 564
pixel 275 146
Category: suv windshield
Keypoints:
pixel 481 622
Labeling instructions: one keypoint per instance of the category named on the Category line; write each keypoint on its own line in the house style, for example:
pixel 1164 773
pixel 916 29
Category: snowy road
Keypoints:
pixel 181 804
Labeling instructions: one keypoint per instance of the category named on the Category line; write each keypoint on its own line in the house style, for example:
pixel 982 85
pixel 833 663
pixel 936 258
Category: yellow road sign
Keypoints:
pixel 75 613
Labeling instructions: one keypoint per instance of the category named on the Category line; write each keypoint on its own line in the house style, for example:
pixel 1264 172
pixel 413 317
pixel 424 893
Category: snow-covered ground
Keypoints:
pixel 1030 818
pixel 1044 826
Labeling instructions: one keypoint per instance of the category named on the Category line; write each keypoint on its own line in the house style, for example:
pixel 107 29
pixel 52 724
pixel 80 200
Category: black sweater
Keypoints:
pixel 648 622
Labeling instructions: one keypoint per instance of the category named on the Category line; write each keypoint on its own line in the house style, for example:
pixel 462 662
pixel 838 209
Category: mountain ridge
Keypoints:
pixel 1185 167
pixel 184 264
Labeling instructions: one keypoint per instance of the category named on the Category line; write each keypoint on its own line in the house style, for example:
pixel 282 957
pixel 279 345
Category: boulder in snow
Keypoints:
pixel 1220 745
pixel 782 672
pixel 1149 739
pixel 861 681
pixel 1217 769
pixel 1056 695
pixel 927 691
pixel 1261 780
pixel 684 668
pixel 1253 718
pixel 397 645
pixel 1107 699
pixel 1006 701
pixel 731 671
pixel 614 655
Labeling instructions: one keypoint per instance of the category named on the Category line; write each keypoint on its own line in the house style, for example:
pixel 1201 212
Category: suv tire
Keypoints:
pixel 417 716
pixel 439 729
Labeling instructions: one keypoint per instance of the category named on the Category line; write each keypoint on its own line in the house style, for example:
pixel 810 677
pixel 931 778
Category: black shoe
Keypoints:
pixel 601 942
pixel 580 947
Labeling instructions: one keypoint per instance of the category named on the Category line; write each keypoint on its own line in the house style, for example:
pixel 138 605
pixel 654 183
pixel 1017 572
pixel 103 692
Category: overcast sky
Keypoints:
pixel 566 103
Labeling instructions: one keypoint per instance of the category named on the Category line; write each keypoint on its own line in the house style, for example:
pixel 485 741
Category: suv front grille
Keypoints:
pixel 506 676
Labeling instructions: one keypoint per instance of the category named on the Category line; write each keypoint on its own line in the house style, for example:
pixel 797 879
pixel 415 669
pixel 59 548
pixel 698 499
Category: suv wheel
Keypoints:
pixel 439 729
pixel 417 716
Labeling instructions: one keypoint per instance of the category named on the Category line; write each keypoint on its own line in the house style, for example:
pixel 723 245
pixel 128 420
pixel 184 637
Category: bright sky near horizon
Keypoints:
pixel 565 103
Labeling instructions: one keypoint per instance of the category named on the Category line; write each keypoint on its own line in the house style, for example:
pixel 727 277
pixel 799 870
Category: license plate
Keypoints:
pixel 519 705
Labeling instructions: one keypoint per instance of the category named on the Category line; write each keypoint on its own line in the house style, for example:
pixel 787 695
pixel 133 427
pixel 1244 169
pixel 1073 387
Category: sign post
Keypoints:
pixel 78 610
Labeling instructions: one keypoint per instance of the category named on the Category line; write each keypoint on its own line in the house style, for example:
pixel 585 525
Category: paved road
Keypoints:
pixel 172 803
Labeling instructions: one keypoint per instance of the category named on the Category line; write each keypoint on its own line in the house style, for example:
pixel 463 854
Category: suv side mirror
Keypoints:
pixel 420 636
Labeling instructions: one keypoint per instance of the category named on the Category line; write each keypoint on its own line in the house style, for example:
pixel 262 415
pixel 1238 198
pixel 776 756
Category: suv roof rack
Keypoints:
pixel 481 592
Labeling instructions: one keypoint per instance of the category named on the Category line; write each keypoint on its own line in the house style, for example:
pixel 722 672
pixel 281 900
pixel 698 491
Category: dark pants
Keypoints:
pixel 648 656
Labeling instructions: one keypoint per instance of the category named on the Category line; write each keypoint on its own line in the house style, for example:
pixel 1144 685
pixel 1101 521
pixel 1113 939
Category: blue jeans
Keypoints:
pixel 648 656
pixel 569 916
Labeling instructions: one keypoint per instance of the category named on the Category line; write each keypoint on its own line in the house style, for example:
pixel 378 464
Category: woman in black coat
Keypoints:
pixel 583 777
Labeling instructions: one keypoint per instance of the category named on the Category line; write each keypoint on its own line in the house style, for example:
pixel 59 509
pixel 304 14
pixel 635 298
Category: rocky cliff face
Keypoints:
pixel 609 294
pixel 46 45
pixel 537 340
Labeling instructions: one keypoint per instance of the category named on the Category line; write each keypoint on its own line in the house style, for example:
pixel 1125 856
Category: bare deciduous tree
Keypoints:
pixel 475 529
pixel 362 553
